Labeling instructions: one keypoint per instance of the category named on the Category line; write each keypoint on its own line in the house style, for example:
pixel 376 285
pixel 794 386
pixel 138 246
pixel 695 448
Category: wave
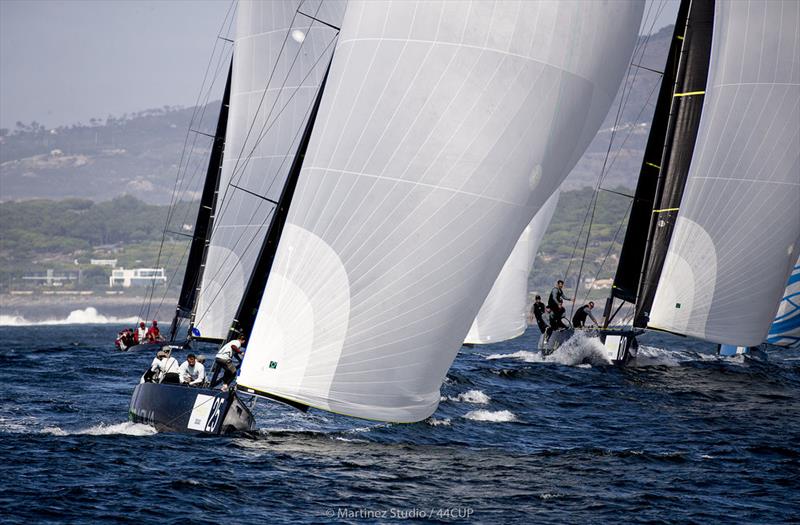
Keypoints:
pixel 476 397
pixel 578 351
pixel 432 421
pixel 499 416
pixel 126 428
pixel 88 315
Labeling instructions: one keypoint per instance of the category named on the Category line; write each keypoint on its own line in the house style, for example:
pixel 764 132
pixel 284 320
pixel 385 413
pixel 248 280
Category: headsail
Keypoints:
pixel 444 128
pixel 737 234
pixel 785 329
pixel 280 57
pixel 504 314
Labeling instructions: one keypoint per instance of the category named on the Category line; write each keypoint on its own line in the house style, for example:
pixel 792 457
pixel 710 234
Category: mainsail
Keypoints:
pixel 444 128
pixel 281 52
pixel 737 234
pixel 504 314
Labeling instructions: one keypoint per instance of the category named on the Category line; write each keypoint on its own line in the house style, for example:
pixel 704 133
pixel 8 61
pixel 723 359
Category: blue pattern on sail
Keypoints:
pixel 785 330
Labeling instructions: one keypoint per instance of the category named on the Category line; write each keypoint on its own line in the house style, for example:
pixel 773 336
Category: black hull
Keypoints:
pixel 146 347
pixel 179 408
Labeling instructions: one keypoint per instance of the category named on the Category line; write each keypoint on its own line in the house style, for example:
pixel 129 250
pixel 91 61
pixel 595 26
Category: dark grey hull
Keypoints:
pixel 145 347
pixel 179 408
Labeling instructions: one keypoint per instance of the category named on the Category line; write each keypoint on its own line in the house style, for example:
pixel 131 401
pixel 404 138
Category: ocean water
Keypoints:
pixel 681 436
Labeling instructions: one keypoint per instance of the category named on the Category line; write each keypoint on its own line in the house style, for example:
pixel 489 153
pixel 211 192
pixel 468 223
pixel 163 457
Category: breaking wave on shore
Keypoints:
pixel 88 315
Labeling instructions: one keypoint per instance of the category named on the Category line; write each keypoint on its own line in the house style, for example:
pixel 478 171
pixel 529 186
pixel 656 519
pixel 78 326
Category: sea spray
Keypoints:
pixel 88 315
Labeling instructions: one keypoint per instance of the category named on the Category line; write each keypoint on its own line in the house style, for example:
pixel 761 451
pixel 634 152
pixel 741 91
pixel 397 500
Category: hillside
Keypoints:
pixel 139 154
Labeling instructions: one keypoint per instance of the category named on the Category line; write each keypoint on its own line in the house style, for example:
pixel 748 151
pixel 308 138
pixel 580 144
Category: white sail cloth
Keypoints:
pixel 279 58
pixel 737 234
pixel 443 129
pixel 504 314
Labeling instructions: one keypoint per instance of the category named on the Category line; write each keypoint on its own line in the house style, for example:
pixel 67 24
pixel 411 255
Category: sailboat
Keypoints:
pixel 355 258
pixel 714 230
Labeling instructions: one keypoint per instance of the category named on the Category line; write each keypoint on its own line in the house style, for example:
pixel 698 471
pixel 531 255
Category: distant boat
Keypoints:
pixel 367 203
pixel 715 226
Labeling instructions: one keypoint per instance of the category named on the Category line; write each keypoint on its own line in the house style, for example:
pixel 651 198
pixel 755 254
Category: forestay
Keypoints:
pixel 737 234
pixel 444 128
pixel 504 314
pixel 280 56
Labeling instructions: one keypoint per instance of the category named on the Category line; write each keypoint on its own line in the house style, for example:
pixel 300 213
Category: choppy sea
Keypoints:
pixel 681 436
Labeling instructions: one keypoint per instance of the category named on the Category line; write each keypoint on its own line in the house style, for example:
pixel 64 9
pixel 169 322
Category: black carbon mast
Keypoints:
pixel 666 161
pixel 195 263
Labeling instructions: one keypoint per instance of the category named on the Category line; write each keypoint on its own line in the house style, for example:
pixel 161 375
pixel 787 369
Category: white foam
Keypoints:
pixel 126 428
pixel 432 421
pixel 578 350
pixel 476 397
pixel 499 416
pixel 88 315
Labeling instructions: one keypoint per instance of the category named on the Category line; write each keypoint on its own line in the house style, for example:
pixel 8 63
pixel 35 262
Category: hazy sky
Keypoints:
pixel 64 61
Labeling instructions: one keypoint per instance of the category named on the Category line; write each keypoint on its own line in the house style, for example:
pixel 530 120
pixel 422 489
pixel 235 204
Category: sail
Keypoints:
pixel 785 329
pixel 737 234
pixel 280 56
pixel 444 128
pixel 684 123
pixel 631 258
pixel 205 212
pixel 504 314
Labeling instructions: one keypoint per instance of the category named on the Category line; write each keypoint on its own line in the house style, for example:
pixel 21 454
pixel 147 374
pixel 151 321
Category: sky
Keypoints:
pixel 67 61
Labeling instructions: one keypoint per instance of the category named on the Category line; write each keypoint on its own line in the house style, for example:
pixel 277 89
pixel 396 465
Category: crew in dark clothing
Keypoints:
pixel 538 311
pixel 556 319
pixel 579 319
pixel 557 296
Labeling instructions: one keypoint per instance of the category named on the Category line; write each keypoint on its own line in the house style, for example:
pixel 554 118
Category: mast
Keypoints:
pixel 205 216
pixel 631 259
pixel 248 307
pixel 686 106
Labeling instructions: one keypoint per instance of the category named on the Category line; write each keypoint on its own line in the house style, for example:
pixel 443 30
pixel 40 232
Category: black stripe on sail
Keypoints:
pixel 684 123
pixel 626 280
pixel 248 307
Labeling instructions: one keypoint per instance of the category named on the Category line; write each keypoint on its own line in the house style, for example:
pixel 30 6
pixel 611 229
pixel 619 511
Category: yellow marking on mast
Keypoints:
pixel 689 94
pixel 665 210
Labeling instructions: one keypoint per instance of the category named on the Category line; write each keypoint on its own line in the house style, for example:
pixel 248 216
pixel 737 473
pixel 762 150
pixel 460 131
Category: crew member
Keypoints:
pixel 579 319
pixel 557 319
pixel 165 368
pixel 557 295
pixel 192 372
pixel 153 333
pixel 538 311
pixel 224 361
pixel 141 334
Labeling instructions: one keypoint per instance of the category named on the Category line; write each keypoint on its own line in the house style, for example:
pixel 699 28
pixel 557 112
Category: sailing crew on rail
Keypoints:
pixel 141 334
pixel 153 333
pixel 167 369
pixel 537 312
pixel 192 372
pixel 579 319
pixel 224 361
pixel 557 295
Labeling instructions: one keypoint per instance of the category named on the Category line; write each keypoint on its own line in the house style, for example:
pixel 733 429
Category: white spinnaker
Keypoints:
pixel 504 314
pixel 279 59
pixel 737 235
pixel 444 127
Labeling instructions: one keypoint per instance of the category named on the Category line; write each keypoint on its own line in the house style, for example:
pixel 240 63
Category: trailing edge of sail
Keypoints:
pixel 444 127
pixel 205 215
pixel 280 56
pixel 737 234
pixel 504 314
pixel 785 329
pixel 631 258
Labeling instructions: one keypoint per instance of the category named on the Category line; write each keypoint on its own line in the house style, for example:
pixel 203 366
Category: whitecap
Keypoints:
pixel 432 421
pixel 476 397
pixel 88 315
pixel 126 428
pixel 499 416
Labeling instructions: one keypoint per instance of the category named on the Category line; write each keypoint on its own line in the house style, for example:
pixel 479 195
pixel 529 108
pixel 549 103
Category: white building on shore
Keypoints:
pixel 136 277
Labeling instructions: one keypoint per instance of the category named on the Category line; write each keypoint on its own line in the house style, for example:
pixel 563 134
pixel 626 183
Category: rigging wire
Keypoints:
pixel 624 99
pixel 144 310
